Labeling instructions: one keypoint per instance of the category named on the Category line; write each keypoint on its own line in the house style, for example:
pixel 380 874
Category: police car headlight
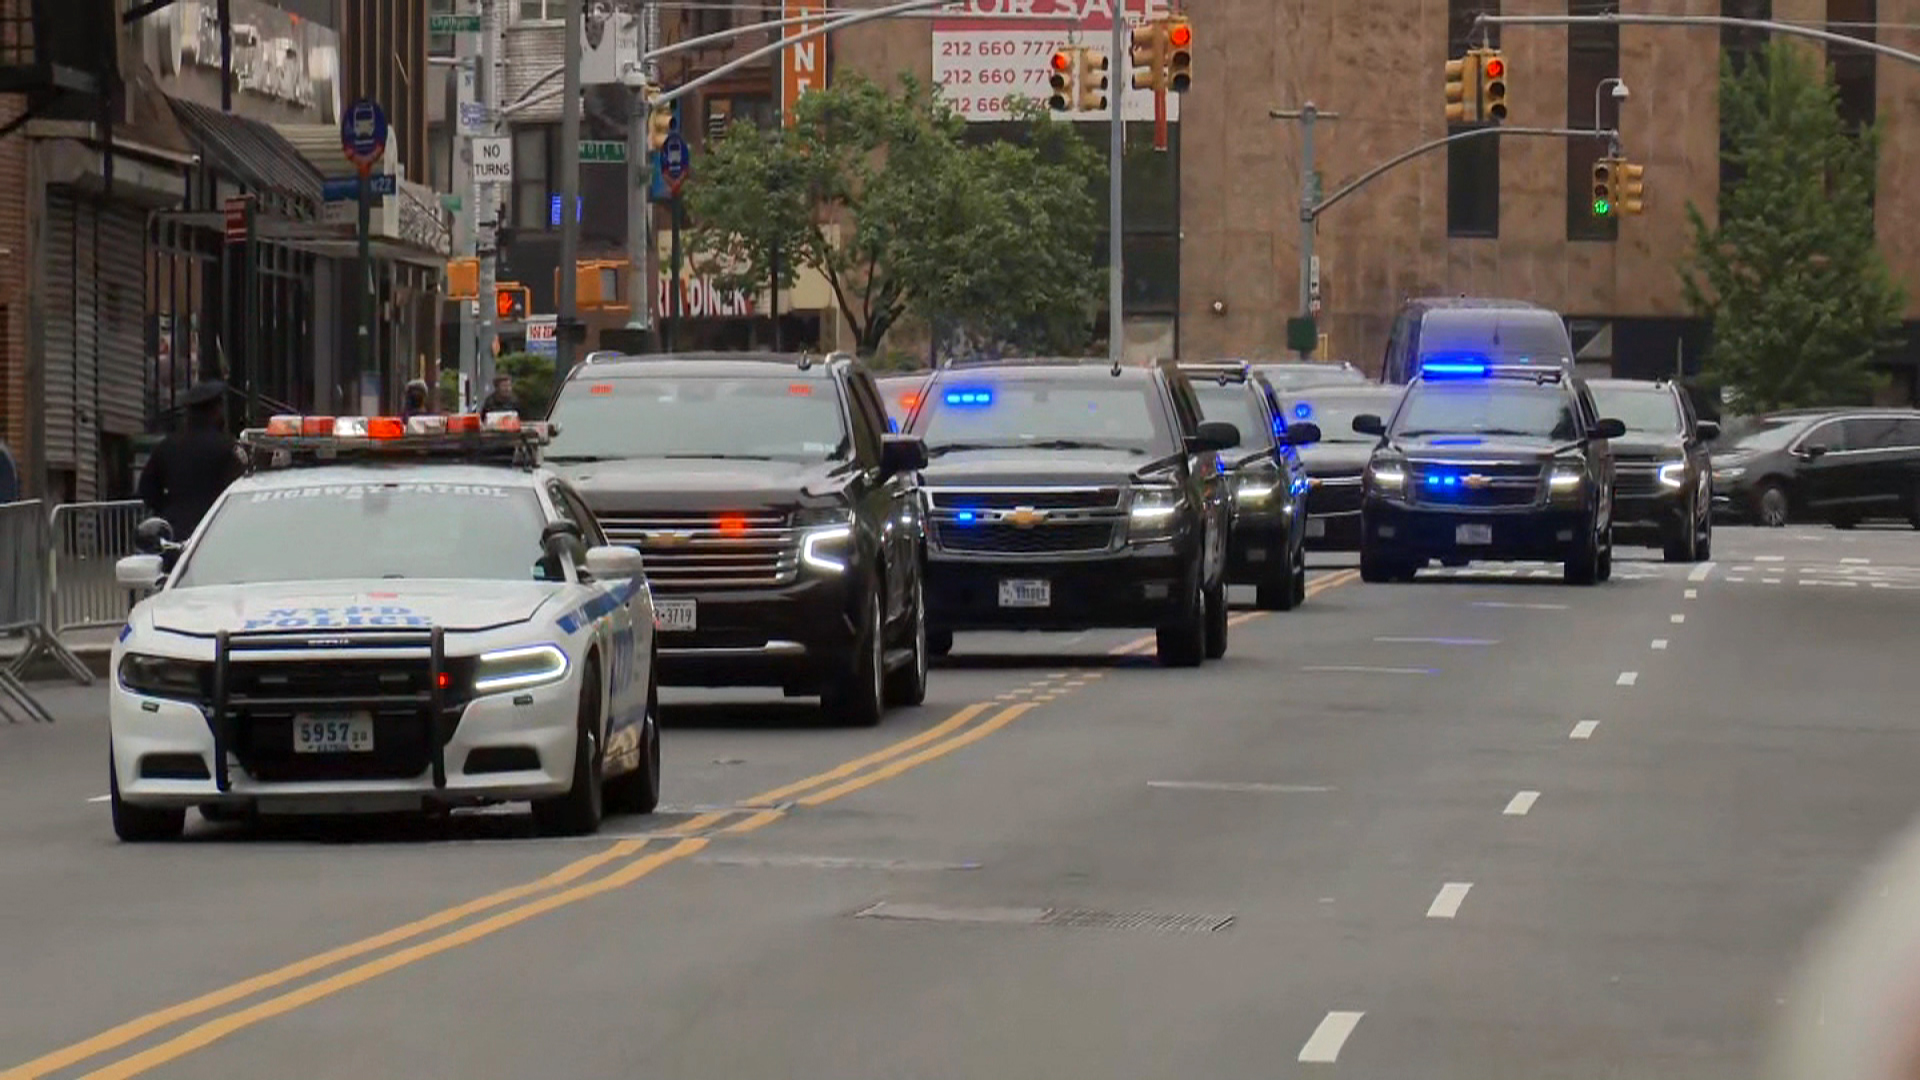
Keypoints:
pixel 1152 512
pixel 163 677
pixel 1673 474
pixel 519 668
pixel 1386 475
pixel 1567 479
pixel 826 537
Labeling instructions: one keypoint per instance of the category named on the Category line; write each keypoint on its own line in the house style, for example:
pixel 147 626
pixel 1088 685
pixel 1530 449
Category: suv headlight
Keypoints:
pixel 1729 472
pixel 1673 474
pixel 1387 475
pixel 1151 511
pixel 163 677
pixel 826 537
pixel 519 668
pixel 1567 478
pixel 1256 484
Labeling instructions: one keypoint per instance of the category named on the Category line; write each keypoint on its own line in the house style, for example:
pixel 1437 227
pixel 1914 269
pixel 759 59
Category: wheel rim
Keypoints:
pixel 920 661
pixel 1773 507
pixel 877 653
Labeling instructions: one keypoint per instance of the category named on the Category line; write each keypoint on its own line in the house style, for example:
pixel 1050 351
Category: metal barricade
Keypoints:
pixel 25 563
pixel 88 539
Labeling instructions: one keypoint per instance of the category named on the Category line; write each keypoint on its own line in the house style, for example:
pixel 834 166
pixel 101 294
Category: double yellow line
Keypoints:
pixel 566 886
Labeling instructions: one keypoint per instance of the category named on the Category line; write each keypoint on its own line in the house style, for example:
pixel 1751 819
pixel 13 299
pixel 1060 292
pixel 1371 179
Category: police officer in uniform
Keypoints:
pixel 192 466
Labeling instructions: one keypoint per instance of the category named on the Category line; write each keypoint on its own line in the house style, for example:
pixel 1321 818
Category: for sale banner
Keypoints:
pixel 986 51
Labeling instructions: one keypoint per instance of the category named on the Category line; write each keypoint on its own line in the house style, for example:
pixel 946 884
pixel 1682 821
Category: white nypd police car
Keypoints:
pixel 385 617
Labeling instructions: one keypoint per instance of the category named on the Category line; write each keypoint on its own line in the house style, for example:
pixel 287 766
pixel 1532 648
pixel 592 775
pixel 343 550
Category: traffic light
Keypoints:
pixel 1463 89
pixel 463 279
pixel 1628 188
pixel 1149 56
pixel 659 126
pixel 1603 189
pixel 596 285
pixel 1060 80
pixel 511 302
pixel 1091 81
pixel 1493 86
pixel 1180 54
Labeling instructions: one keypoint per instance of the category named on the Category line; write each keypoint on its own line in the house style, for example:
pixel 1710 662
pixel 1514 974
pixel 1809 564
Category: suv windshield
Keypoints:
pixel 1518 336
pixel 667 416
pixel 1234 403
pixel 1334 413
pixel 397 529
pixel 1487 407
pixel 1645 409
pixel 1077 413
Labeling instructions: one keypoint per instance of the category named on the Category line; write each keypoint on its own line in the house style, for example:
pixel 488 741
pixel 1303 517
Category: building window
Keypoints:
pixel 1741 45
pixel 1593 56
pixel 440 44
pixel 710 20
pixel 532 209
pixel 1473 165
pixel 542 10
pixel 1854 69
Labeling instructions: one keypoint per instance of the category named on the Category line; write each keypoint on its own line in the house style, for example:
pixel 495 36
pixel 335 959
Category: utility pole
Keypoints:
pixel 466 230
pixel 486 198
pixel 1308 115
pixel 640 177
pixel 567 316
pixel 1116 160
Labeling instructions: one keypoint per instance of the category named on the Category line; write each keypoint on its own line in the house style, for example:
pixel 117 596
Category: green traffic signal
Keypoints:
pixel 1602 208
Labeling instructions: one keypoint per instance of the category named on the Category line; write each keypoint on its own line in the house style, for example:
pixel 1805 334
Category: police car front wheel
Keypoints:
pixel 578 812
pixel 142 824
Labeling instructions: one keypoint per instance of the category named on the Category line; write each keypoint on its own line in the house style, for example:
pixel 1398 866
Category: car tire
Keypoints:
pixel 1377 570
pixel 1300 577
pixel 1604 569
pixel 1284 591
pixel 1582 567
pixel 1218 626
pixel 638 792
pixel 1913 508
pixel 907 684
pixel 1846 519
pixel 1683 548
pixel 857 697
pixel 578 812
pixel 142 824
pixel 1771 506
pixel 1704 550
pixel 1183 643
pixel 940 642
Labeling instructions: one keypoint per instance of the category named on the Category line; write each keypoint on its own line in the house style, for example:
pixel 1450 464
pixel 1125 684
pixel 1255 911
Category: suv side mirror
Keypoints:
pixel 1214 435
pixel 902 454
pixel 1369 424
pixel 1708 430
pixel 1609 429
pixel 614 562
pixel 1300 433
pixel 1814 451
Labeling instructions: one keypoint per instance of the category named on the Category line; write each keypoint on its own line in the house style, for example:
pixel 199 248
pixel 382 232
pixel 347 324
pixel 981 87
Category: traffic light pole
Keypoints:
pixel 1308 114
pixel 1116 159
pixel 1790 29
pixel 1311 213
pixel 485 213
pixel 639 181
pixel 567 314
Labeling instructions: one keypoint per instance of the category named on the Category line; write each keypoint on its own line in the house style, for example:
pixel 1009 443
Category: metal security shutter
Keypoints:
pixel 69 339
pixel 121 318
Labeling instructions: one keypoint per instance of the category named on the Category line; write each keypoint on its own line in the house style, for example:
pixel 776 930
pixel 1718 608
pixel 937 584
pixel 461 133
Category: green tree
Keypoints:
pixel 532 381
pixel 887 199
pixel 1799 295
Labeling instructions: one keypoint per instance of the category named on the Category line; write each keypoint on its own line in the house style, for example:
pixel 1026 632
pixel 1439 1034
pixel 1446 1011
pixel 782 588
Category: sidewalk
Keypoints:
pixel 93 647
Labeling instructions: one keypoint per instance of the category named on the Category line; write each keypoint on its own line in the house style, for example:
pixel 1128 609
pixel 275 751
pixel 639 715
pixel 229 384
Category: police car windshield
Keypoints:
pixel 1487 407
pixel 1647 409
pixel 1334 413
pixel 369 531
pixel 699 416
pixel 1068 413
pixel 1234 404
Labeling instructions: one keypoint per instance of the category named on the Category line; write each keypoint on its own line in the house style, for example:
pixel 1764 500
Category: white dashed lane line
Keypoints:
pixel 1692 594
pixel 1436 641
pixel 1676 618
pixel 1583 730
pixel 1700 572
pixel 1857 562
pixel 1361 670
pixel 1446 903
pixel 1323 1046
pixel 1521 802
pixel 1627 678
pixel 1659 643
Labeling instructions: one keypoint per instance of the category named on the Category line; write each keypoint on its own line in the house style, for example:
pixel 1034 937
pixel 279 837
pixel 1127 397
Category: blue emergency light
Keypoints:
pixel 1302 411
pixel 969 397
pixel 1454 369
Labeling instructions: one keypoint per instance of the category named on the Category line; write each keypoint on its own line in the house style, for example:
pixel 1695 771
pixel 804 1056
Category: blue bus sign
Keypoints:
pixel 676 159
pixel 363 133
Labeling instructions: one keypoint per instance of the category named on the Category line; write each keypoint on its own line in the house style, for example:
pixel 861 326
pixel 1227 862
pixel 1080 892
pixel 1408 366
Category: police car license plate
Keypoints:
pixel 1316 527
pixel 1473 534
pixel 1026 594
pixel 332 733
pixel 675 616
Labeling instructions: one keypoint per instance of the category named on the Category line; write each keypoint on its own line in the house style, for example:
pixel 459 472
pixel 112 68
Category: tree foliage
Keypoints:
pixel 888 199
pixel 1799 295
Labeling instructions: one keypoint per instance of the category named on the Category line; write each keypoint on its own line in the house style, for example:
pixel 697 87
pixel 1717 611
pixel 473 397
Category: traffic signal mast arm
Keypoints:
pixel 1374 173
pixel 1791 29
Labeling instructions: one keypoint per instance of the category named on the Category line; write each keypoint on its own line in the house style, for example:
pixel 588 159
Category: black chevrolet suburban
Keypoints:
pixel 1072 495
pixel 779 520
pixel 1496 462
pixel 1662 473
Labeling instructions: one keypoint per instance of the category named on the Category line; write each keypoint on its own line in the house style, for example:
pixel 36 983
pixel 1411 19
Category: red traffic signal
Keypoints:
pixel 1181 35
pixel 1062 62
pixel 503 303
pixel 1496 68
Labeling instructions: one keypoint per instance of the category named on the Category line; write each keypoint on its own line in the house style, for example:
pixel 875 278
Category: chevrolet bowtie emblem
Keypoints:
pixel 669 539
pixel 1476 481
pixel 1025 517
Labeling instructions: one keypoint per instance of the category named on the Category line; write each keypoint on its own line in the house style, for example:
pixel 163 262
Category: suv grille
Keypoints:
pixel 1026 523
pixel 1636 478
pixel 1497 485
pixel 689 551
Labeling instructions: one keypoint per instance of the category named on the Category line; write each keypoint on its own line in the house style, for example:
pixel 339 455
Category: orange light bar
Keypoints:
pixel 463 424
pixel 316 425
pixel 502 421
pixel 385 427
pixel 1181 35
pixel 732 524
pixel 909 402
pixel 283 425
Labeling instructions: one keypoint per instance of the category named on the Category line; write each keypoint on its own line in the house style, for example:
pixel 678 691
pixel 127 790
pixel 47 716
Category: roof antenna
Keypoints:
pixel 806 360
pixel 1116 368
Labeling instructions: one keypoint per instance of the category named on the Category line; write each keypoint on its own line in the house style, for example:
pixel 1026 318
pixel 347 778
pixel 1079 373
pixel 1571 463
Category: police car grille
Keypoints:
pixel 689 551
pixel 1014 540
pixel 1106 498
pixel 1502 485
pixel 264 697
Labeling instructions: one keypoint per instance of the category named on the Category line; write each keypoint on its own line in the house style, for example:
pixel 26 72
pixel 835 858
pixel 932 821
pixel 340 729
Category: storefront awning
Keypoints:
pixel 249 153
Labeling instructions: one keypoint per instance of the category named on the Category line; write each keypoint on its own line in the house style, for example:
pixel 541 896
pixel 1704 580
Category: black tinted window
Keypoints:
pixel 700 416
pixel 1481 407
pixel 1906 432
pixel 1236 404
pixel 1650 410
pixel 1108 412
pixel 1334 412
pixel 1870 432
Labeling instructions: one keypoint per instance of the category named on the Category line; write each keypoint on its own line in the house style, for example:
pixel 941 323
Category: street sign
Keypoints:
pixel 675 159
pixel 453 24
pixel 603 153
pixel 238 218
pixel 363 133
pixel 493 160
pixel 542 335
pixel 347 188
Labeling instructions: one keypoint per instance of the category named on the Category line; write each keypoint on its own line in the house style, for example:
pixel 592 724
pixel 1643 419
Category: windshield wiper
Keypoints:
pixel 965 447
pixel 1078 444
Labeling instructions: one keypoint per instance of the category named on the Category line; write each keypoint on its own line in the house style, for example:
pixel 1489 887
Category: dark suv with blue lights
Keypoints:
pixel 1485 461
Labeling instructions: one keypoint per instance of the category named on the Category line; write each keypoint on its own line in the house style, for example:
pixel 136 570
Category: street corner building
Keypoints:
pixel 1212 239
pixel 162 222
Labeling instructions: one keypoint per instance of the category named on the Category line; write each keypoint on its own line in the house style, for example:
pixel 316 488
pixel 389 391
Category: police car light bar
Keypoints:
pixel 290 440
pixel 1481 369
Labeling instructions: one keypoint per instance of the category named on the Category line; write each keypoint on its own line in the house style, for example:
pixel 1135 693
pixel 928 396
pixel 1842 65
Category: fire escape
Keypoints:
pixel 63 57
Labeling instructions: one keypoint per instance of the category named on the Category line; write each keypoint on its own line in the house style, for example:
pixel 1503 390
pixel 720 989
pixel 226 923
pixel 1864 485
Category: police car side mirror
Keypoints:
pixel 614 562
pixel 1369 424
pixel 138 571
pixel 1301 433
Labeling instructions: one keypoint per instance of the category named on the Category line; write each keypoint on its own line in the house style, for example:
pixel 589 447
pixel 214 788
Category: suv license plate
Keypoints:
pixel 1473 534
pixel 1026 594
pixel 332 733
pixel 675 616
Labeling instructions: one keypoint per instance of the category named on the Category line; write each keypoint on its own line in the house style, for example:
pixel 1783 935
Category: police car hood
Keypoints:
pixel 1478 447
pixel 324 605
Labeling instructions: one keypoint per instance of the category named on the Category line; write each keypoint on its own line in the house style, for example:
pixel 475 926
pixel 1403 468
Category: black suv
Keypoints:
pixel 1268 549
pixel 778 517
pixel 1485 461
pixel 1844 466
pixel 1337 462
pixel 1662 479
pixel 1069 495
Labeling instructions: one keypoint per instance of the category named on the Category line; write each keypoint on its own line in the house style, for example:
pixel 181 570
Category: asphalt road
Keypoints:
pixel 1484 826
